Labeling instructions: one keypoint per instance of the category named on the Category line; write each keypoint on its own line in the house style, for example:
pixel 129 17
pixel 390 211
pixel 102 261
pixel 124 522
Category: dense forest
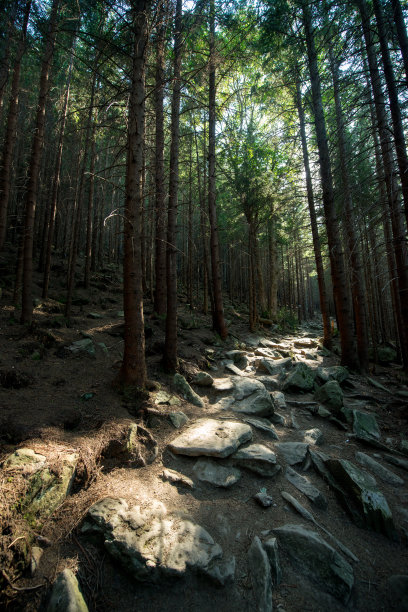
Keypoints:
pixel 203 305
pixel 253 152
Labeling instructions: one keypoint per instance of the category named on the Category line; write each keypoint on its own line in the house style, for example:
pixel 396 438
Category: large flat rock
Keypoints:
pixel 261 577
pixel 292 452
pixel 257 458
pixel 208 470
pixel 211 438
pixel 152 544
pixel 317 560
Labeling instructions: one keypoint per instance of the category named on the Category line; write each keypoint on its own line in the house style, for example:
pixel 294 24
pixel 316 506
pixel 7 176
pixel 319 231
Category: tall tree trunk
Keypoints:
pixel 160 219
pixel 397 221
pixel 10 136
pixel 358 287
pixel 324 305
pixel 218 309
pixel 396 117
pixel 340 289
pixel 133 370
pixel 401 33
pixel 34 168
pixel 170 346
pixel 273 268
pixel 89 216
pixel 56 182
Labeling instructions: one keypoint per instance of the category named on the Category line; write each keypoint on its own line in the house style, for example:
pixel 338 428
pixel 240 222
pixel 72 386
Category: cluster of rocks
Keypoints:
pixel 253 403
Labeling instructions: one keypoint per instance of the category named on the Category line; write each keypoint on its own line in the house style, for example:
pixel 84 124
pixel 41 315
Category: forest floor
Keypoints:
pixel 53 400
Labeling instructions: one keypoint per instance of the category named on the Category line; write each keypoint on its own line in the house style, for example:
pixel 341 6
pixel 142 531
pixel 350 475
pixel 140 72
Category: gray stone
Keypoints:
pixel 47 488
pixel 203 379
pixel 300 379
pixel 271 549
pixel 304 485
pixel 234 369
pixel 66 595
pixel 365 425
pixel 208 470
pixel 238 357
pixel 263 425
pixel 26 460
pixel 398 461
pixel 379 470
pixel 305 343
pixel 178 419
pixel 35 558
pixel 177 478
pixel 152 544
pixel 95 315
pixel 386 354
pixel 360 496
pixel 275 366
pixel 223 384
pixel 186 391
pixel 251 397
pixel 162 397
pixel 224 403
pixel 211 438
pixel 339 373
pixel 331 395
pixel 263 499
pixel 292 452
pixel 271 383
pixel 313 436
pixel 85 346
pixel 278 419
pixel 278 399
pixel 261 577
pixel 266 352
pixel 404 447
pixel 257 458
pixel 222 572
pixel 397 592
pixel 317 560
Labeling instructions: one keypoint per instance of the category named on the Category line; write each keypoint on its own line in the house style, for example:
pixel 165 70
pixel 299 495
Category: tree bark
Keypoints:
pixel 401 33
pixel 358 288
pixel 34 168
pixel 170 346
pixel 324 305
pixel 397 221
pixel 133 370
pixel 218 309
pixel 160 219
pixel 396 117
pixel 340 290
pixel 10 136
pixel 56 182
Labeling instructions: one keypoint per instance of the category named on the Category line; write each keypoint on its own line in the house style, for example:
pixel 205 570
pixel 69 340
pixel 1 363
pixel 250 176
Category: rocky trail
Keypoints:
pixel 263 476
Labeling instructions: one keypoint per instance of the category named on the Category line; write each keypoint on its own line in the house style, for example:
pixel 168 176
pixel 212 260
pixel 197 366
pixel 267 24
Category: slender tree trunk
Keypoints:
pixel 160 242
pixel 397 221
pixel 56 182
pixel 170 346
pixel 34 168
pixel 89 216
pixel 358 287
pixel 273 268
pixel 324 306
pixel 218 310
pixel 133 370
pixel 396 117
pixel 10 136
pixel 401 33
pixel 340 290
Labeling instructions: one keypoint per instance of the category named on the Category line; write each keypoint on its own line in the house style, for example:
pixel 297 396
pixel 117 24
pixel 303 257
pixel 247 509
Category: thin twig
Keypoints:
pixel 23 537
pixel 16 588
